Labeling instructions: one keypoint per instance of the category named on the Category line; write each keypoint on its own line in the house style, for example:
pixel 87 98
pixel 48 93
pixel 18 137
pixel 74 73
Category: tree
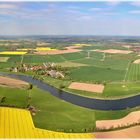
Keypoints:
pixel 61 86
pixel 3 99
pixel 29 93
pixel 30 86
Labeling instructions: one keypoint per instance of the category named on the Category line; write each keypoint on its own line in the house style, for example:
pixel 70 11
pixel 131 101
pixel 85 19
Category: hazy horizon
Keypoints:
pixel 70 18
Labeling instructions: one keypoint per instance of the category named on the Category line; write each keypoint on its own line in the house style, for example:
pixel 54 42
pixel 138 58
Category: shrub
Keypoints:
pixel 3 99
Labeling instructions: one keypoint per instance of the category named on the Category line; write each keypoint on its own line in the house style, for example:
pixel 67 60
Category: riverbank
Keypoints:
pixel 98 104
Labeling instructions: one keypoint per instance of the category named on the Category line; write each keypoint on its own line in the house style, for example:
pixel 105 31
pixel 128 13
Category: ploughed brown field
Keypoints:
pixel 98 88
pixel 113 51
pixel 131 118
pixel 6 81
pixel 70 49
pixel 133 132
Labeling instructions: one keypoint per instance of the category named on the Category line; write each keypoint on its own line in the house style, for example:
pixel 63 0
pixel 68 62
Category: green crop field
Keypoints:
pixel 42 58
pixel 117 72
pixel 56 114
pixel 86 66
pixel 92 73
pixel 133 72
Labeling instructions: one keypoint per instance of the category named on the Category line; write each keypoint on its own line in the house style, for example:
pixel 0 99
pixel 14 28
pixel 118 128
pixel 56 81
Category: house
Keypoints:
pixel 15 69
pixel 56 74
pixel 49 65
pixel 59 75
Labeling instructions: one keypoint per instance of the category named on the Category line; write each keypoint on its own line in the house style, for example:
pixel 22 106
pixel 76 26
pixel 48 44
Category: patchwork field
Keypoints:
pixel 111 90
pixel 59 115
pixel 17 123
pixel 86 66
pixel 56 52
pixel 99 67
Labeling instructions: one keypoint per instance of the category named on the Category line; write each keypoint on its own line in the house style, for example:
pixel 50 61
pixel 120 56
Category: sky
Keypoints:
pixel 70 18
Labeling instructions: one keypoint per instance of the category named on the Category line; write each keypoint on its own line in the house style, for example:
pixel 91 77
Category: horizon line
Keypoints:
pixel 14 35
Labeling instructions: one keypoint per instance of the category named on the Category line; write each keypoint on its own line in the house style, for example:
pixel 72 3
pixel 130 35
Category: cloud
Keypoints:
pixel 56 18
pixel 73 7
pixel 9 5
pixel 103 11
pixel 110 13
pixel 18 11
pixel 95 9
pixel 135 3
pixel 84 17
pixel 113 3
pixel 134 12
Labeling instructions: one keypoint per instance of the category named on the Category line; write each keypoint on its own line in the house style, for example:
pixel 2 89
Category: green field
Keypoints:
pixel 117 72
pixel 42 58
pixel 14 97
pixel 133 73
pixel 112 91
pixel 97 68
pixel 56 114
pixel 91 74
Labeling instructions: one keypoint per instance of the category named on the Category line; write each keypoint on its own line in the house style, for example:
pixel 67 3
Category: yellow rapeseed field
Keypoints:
pixel 44 49
pixel 37 49
pixel 13 52
pixel 81 45
pixel 17 123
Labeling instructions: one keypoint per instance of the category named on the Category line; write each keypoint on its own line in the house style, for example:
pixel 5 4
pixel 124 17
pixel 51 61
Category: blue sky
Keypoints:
pixel 70 18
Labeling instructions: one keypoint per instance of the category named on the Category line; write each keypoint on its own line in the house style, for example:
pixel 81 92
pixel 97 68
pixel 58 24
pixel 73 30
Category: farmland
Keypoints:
pixel 116 72
pixel 133 73
pixel 4 59
pixel 86 66
pixel 68 117
pixel 13 52
pixel 17 123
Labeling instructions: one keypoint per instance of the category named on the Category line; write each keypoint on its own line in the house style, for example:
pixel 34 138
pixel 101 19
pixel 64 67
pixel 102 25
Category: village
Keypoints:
pixel 46 69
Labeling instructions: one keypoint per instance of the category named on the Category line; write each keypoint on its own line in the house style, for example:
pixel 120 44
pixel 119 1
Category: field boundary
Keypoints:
pixel 18 123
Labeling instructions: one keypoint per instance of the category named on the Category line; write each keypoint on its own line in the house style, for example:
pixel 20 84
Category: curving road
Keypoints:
pixel 99 104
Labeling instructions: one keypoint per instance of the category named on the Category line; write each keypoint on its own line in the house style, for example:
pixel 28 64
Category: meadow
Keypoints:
pixel 116 72
pixel 86 66
pixel 59 115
